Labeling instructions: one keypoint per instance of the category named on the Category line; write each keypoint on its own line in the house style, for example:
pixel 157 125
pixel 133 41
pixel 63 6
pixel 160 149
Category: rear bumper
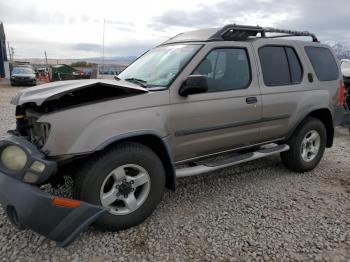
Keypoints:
pixel 29 207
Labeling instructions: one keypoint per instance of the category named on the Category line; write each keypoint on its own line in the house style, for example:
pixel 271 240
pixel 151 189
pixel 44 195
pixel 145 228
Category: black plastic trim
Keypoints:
pixel 193 131
pixel 35 210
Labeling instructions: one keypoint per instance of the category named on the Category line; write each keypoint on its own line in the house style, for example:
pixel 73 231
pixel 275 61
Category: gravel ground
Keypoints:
pixel 256 211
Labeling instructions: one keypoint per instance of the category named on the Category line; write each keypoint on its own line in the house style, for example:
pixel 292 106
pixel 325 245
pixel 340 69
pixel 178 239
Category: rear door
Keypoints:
pixel 284 86
pixel 225 117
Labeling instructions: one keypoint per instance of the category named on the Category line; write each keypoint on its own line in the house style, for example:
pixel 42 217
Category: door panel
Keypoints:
pixel 215 121
pixel 282 99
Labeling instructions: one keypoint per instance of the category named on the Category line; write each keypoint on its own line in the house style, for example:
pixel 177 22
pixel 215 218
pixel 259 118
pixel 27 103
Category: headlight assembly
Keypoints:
pixel 38 166
pixel 13 158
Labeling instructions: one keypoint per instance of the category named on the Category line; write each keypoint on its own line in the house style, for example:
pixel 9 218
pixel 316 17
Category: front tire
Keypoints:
pixel 128 179
pixel 307 146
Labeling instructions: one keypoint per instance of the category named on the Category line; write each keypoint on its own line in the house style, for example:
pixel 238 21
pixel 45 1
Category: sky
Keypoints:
pixel 74 28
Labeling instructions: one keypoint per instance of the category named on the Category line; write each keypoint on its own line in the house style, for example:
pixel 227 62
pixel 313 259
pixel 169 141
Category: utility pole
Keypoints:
pixel 103 46
pixel 12 53
pixel 46 59
pixel 8 47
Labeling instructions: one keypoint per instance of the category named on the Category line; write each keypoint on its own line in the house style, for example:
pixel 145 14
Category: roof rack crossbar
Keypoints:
pixel 241 32
pixel 290 33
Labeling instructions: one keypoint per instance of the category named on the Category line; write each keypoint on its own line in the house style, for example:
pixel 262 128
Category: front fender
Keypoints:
pixel 109 128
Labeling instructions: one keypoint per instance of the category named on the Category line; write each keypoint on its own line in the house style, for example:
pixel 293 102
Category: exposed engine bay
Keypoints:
pixel 28 114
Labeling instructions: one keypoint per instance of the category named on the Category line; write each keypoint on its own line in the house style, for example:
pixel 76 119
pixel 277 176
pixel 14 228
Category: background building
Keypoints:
pixel 3 55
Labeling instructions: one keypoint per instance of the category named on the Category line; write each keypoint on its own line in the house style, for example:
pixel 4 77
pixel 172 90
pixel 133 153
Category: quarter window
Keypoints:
pixel 294 64
pixel 226 69
pixel 280 66
pixel 323 62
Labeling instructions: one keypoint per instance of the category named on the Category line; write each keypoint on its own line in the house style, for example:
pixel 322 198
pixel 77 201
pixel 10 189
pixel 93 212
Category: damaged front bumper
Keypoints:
pixel 27 206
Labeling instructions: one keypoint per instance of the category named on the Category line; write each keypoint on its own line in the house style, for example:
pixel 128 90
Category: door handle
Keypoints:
pixel 310 77
pixel 251 100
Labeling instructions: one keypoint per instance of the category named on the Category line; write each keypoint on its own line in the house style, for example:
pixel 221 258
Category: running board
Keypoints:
pixel 238 159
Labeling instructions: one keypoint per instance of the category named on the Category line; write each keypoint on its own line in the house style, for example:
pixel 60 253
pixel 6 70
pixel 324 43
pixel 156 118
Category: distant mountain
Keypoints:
pixel 98 60
pixel 341 49
pixel 119 60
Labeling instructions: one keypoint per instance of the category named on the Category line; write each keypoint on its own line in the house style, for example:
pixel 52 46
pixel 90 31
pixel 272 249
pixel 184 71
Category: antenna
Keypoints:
pixel 103 46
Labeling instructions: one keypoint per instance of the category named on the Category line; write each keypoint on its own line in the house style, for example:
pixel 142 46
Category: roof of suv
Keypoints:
pixel 235 33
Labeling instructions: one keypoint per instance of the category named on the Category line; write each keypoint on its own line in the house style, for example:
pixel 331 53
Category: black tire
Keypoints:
pixel 89 180
pixel 292 159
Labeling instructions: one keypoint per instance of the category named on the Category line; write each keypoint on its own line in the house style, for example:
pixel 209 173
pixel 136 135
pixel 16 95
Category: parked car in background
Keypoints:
pixel 345 69
pixel 23 76
pixel 25 66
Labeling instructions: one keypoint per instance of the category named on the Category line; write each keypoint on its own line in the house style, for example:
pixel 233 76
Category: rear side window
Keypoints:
pixel 296 71
pixel 323 62
pixel 280 66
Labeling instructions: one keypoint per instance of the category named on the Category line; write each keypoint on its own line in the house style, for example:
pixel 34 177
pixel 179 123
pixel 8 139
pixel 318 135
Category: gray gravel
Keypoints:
pixel 255 211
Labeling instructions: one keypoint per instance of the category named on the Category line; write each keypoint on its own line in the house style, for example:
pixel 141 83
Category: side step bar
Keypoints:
pixel 238 159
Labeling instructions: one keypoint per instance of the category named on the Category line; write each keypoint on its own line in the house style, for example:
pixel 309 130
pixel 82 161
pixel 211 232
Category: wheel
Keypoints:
pixel 128 179
pixel 307 146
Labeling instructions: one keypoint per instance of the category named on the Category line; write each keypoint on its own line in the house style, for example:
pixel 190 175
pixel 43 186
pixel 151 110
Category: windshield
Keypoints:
pixel 159 66
pixel 345 65
pixel 22 70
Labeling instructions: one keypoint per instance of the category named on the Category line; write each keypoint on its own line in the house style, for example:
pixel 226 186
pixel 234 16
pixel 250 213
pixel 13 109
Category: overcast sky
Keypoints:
pixel 73 28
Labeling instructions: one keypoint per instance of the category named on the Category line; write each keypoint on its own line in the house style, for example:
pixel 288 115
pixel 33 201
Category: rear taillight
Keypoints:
pixel 341 98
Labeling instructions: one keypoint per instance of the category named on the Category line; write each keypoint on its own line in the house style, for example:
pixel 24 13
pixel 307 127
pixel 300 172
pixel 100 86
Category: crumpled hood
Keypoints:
pixel 40 94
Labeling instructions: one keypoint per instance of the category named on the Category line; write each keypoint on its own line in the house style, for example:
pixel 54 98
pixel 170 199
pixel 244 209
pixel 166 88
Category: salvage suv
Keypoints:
pixel 238 92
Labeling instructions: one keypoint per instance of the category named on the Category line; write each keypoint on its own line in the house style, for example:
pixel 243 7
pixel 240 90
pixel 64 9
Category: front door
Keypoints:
pixel 225 117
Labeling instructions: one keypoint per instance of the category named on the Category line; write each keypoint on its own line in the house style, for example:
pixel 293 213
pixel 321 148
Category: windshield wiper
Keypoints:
pixel 140 82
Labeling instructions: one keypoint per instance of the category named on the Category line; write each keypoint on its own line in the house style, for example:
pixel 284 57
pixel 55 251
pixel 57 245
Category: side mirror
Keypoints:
pixel 194 84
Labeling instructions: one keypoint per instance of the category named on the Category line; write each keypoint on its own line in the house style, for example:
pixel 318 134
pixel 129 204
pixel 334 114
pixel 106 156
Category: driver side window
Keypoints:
pixel 226 69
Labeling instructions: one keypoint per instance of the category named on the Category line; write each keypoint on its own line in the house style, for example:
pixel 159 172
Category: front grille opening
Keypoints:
pixel 38 133
pixel 34 131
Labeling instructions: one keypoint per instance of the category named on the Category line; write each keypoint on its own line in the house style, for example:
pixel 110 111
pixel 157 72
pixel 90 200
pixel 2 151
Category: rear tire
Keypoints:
pixel 307 146
pixel 116 172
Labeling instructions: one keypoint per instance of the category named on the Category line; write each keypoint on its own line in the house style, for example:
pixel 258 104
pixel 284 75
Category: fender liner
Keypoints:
pixel 329 128
pixel 163 150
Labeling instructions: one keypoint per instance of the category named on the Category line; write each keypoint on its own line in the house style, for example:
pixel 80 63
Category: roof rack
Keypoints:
pixel 242 32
